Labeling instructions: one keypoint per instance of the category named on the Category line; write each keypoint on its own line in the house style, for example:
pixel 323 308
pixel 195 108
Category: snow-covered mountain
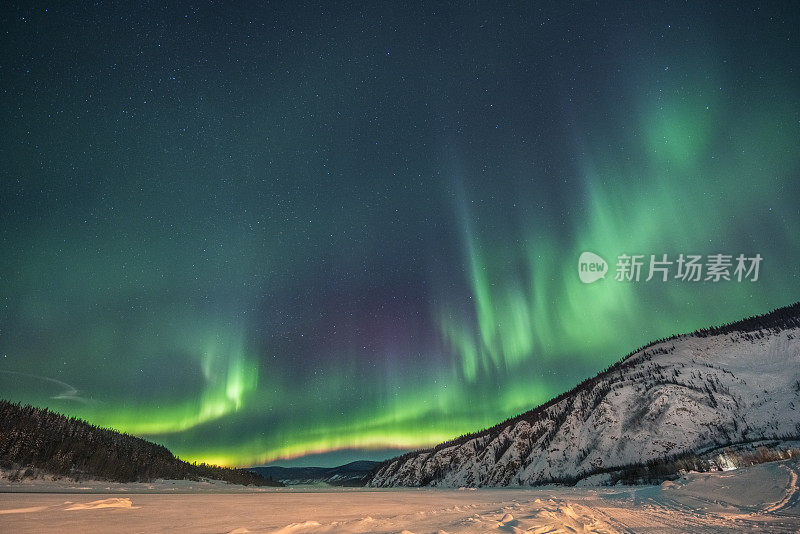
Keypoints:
pixel 689 393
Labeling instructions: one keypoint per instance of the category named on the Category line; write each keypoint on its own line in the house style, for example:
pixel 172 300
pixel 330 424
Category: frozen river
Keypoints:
pixel 763 497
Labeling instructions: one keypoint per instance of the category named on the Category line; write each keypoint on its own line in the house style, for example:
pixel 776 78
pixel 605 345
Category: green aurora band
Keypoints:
pixel 199 342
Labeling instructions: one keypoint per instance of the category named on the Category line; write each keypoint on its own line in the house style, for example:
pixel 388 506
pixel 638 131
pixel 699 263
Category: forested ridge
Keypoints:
pixel 37 439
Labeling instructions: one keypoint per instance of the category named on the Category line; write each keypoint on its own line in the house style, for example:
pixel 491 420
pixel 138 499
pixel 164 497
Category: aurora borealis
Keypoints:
pixel 254 234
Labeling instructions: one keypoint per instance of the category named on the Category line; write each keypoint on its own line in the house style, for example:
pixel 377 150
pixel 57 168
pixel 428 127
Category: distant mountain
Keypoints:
pixel 352 474
pixel 689 394
pixel 34 439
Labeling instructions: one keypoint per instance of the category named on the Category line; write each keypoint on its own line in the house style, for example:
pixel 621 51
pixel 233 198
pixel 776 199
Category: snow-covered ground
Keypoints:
pixel 758 498
pixel 46 484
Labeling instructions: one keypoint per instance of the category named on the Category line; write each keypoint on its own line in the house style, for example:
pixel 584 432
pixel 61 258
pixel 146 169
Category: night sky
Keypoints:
pixel 254 234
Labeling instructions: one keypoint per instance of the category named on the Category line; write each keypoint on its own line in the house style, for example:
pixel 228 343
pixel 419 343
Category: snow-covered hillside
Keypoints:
pixel 686 394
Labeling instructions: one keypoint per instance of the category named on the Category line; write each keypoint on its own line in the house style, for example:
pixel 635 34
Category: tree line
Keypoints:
pixel 37 439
